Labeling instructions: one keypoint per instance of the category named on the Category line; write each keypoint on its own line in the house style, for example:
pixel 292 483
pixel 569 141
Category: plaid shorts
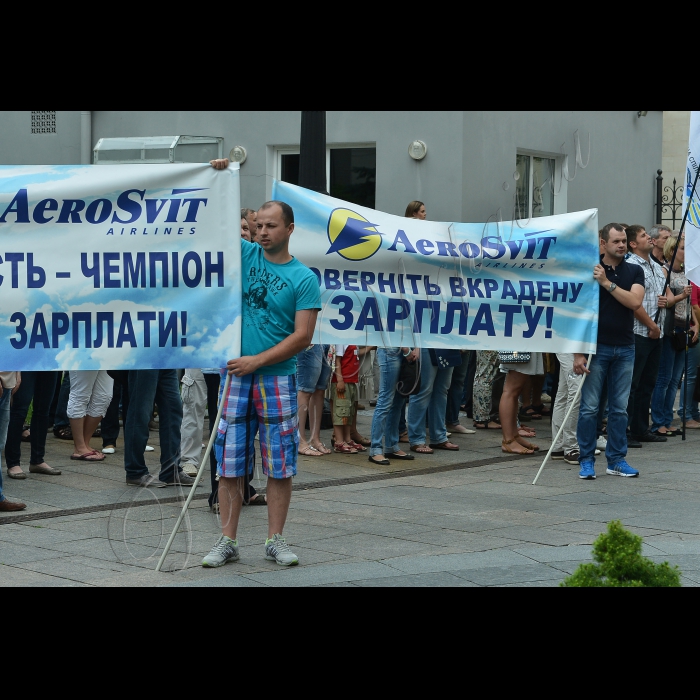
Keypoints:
pixel 259 402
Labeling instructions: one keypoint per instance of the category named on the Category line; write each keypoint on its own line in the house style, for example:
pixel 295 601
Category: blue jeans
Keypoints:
pixel 145 387
pixel 313 370
pixel 4 422
pixel 385 423
pixel 431 399
pixel 669 377
pixel 691 410
pixel 616 363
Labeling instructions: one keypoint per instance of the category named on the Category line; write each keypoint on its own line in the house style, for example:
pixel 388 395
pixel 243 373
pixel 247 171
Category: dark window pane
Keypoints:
pixel 290 168
pixel 522 187
pixel 354 175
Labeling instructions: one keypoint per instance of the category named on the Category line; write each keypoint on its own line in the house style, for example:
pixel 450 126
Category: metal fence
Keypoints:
pixel 669 201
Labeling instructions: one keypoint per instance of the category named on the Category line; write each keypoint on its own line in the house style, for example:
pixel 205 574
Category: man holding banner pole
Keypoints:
pixel 281 301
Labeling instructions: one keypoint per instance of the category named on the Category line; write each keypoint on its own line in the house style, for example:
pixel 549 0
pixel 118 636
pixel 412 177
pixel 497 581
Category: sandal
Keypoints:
pixel 529 412
pixel 444 446
pixel 404 437
pixel 422 449
pixel 528 445
pixel 360 439
pixel 322 449
pixel 64 433
pixel 356 446
pixel 507 450
pixel 344 448
pixel 483 425
pixel 92 456
pixel 542 409
pixel 309 451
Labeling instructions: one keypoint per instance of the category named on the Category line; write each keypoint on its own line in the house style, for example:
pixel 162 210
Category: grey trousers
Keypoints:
pixel 568 386
pixel 194 402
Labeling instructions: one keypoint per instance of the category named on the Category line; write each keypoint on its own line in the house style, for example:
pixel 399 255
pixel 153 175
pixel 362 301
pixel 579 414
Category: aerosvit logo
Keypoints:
pixel 352 236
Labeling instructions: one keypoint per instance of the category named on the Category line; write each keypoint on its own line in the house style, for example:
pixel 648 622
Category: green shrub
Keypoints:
pixel 620 563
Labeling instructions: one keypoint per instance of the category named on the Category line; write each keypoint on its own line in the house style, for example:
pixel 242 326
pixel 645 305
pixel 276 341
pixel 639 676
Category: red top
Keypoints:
pixel 347 358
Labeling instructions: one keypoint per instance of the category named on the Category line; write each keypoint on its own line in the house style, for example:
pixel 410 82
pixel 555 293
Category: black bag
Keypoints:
pixel 409 378
pixel 678 340
pixel 445 358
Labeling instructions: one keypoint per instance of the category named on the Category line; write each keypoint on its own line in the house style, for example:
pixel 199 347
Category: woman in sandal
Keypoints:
pixel 517 374
pixel 390 403
pixel 90 396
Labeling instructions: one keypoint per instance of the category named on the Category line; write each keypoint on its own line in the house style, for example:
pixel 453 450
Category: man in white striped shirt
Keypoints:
pixel 647 336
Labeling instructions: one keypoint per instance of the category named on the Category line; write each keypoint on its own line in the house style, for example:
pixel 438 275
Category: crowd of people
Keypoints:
pixel 277 392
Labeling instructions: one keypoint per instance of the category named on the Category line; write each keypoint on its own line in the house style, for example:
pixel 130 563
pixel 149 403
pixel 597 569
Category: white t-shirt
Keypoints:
pixel 8 379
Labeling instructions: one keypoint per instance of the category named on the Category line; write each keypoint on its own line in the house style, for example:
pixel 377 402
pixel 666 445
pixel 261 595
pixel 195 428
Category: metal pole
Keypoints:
pixel 563 423
pixel 198 478
pixel 659 194
pixel 312 152
pixel 685 371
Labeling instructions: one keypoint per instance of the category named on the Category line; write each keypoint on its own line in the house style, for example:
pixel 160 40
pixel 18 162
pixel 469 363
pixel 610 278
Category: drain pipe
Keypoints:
pixel 86 138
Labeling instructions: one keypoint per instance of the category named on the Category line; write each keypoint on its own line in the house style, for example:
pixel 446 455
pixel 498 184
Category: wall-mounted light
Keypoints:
pixel 642 114
pixel 238 155
pixel 417 150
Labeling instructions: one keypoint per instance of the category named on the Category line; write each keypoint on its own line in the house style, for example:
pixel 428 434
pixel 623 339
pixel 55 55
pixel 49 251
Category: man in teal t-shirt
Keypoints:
pixel 281 300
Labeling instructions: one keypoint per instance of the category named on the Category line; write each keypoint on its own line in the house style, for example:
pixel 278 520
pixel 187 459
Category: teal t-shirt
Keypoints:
pixel 272 294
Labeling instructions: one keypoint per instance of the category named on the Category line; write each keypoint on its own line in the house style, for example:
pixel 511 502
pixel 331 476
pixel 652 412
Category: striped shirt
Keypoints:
pixel 654 280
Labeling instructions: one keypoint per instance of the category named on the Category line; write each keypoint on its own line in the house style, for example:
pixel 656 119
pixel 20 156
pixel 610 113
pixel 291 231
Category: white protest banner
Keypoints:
pixel 119 267
pixel 392 281
pixel 691 202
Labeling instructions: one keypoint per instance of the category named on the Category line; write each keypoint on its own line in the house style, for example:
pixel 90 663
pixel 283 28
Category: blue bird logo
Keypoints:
pixel 352 236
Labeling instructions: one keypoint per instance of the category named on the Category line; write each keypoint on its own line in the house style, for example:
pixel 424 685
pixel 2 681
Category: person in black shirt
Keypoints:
pixel 621 294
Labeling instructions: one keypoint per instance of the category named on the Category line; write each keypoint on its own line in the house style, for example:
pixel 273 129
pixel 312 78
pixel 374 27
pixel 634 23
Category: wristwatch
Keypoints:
pixel 612 287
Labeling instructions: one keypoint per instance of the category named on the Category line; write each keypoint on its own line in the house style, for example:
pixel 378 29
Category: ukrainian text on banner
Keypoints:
pixel 118 267
pixel 392 281
pixel 692 204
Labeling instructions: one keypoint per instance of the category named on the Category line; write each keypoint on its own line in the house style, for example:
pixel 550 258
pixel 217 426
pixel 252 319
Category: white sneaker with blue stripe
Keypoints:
pixel 223 551
pixel 621 469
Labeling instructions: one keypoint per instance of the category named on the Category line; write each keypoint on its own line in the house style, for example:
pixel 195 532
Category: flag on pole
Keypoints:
pixel 691 202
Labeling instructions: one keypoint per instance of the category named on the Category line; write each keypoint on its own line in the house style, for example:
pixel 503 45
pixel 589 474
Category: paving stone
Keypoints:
pixel 456 562
pixel 501 575
pixel 439 579
pixel 12 577
pixel 550 554
pixel 323 573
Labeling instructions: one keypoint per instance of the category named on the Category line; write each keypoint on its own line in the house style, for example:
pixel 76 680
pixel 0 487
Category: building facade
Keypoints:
pixel 478 165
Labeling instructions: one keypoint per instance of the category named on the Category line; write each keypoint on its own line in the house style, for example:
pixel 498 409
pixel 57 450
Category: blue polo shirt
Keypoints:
pixel 272 295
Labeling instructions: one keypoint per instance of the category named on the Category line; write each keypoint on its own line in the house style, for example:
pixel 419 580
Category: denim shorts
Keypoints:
pixel 313 370
pixel 265 403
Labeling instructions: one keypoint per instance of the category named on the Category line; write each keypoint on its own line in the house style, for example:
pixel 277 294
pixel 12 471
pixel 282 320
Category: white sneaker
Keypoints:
pixel 223 551
pixel 457 428
pixel 276 549
pixel 149 448
pixel 602 443
pixel 190 469
pixel 108 450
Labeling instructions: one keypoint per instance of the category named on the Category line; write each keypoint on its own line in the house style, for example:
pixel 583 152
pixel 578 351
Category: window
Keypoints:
pixel 535 186
pixel 43 122
pixel 351 173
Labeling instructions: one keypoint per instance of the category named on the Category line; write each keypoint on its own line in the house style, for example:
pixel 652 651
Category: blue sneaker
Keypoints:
pixel 621 469
pixel 587 470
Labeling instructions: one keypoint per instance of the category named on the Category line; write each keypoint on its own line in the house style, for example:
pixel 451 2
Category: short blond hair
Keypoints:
pixel 671 243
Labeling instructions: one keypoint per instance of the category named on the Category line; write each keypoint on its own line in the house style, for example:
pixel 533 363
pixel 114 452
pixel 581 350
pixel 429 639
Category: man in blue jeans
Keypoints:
pixel 621 294
pixel 145 387
pixel 9 383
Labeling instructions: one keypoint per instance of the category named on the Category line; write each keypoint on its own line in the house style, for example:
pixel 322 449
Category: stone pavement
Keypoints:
pixel 467 518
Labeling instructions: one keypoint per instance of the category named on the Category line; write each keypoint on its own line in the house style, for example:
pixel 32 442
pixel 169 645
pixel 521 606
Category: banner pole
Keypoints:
pixel 563 423
pixel 680 235
pixel 200 473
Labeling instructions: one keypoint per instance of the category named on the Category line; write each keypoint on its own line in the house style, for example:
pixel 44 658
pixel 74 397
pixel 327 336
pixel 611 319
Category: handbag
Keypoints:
pixel 679 338
pixel 445 358
pixel 409 378
pixel 513 356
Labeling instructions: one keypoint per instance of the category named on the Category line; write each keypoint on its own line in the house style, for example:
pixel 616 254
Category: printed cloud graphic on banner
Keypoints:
pixel 352 236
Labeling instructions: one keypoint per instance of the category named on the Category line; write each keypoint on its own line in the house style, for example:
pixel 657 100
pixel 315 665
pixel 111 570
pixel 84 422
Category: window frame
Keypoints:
pixel 560 182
